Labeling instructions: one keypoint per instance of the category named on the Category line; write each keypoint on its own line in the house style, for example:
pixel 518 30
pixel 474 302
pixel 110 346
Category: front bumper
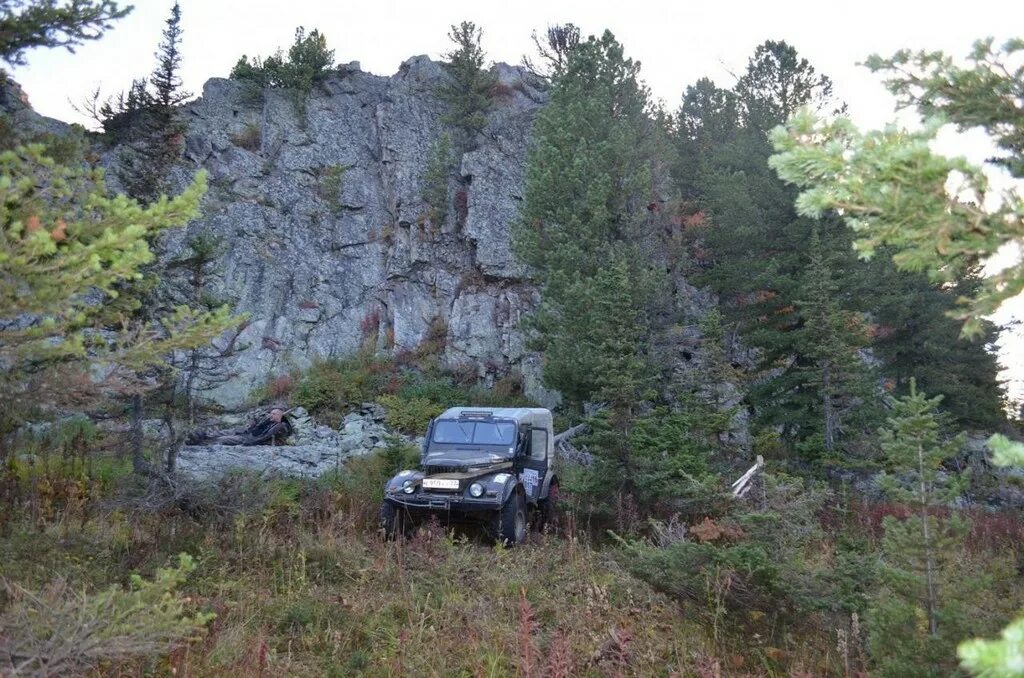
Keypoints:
pixel 438 502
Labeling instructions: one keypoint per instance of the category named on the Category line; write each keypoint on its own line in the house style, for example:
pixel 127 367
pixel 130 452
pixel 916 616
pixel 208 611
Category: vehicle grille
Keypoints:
pixel 444 469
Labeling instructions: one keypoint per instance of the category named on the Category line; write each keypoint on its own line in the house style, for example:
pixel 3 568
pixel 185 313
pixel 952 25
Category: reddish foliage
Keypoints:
pixel 560 664
pixel 994 530
pixel 280 386
pixel 990 530
pixel 694 220
pixel 755 297
pixel 461 207
pixel 527 648
pixel 708 531
pixel 370 323
pixel 500 90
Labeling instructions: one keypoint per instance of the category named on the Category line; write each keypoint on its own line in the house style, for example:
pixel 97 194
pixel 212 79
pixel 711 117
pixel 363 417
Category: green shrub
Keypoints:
pixel 662 464
pixel 331 387
pixel 410 415
pixel 330 186
pixel 62 631
pixel 359 485
pixel 249 138
pixel 435 179
pixel 439 389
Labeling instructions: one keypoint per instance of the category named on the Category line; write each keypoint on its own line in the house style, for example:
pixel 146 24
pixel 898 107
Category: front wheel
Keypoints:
pixel 512 521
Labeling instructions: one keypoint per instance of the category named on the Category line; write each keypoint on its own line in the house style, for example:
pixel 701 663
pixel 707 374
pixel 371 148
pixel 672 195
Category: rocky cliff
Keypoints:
pixel 326 241
pixel 324 230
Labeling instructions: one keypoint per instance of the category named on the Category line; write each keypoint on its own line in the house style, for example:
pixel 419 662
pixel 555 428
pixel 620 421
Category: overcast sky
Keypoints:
pixel 677 42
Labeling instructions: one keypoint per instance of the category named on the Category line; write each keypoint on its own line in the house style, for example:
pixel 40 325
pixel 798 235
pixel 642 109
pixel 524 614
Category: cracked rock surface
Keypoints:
pixel 325 234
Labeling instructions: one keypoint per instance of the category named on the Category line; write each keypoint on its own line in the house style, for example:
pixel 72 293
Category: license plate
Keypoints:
pixel 440 484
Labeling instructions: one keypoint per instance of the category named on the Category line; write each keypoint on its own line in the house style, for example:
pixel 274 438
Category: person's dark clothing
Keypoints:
pixel 261 433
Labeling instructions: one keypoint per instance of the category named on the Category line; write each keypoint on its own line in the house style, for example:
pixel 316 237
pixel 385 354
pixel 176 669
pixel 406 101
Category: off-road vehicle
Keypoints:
pixel 485 465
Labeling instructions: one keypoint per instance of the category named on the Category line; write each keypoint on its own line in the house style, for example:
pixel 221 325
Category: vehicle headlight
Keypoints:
pixel 407 487
pixel 476 490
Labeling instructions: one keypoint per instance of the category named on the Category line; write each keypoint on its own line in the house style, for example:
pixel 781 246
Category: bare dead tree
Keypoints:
pixel 554 47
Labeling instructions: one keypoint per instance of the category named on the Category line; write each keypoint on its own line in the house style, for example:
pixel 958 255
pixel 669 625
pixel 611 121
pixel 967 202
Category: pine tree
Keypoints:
pixel 66 248
pixel 157 142
pixel 924 227
pixel 587 232
pixel 830 340
pixel 763 259
pixel 587 187
pixel 466 93
pixel 919 570
pixel 51 23
pixel 914 336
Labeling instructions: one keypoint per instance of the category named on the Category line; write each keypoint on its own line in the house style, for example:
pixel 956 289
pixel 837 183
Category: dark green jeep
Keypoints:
pixel 485 465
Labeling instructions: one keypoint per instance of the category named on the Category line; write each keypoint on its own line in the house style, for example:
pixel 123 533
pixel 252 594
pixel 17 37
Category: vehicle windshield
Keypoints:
pixel 453 432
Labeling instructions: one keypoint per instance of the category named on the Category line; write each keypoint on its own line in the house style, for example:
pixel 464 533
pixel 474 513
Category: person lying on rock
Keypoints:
pixel 271 430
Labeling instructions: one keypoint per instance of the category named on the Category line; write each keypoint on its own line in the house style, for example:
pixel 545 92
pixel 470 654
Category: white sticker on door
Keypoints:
pixel 530 477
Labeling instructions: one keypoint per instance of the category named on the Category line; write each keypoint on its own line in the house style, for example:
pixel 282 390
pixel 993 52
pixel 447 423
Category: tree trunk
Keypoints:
pixel 830 415
pixel 139 464
pixel 929 561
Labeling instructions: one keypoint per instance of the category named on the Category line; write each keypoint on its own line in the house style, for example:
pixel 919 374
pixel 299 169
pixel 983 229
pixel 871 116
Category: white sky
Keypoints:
pixel 676 42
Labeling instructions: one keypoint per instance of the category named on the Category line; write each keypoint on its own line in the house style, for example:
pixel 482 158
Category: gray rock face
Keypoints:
pixel 314 450
pixel 326 242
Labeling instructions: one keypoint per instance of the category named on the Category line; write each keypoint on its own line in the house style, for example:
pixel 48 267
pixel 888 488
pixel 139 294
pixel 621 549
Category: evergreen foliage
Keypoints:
pixel 435 180
pixel 26 24
pixel 65 632
pixel 722 138
pixel 891 186
pixel 787 293
pixel 157 139
pixel 66 249
pixel 202 368
pixel 583 226
pixel 308 62
pixel 466 93
pixel 920 582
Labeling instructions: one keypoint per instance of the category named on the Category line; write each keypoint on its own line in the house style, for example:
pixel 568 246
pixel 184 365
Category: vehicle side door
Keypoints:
pixel 535 463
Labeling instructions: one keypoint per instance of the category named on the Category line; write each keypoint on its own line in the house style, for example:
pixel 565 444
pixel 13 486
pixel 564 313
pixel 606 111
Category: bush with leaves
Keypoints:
pixel 410 415
pixel 747 555
pixel 666 468
pixel 434 182
pixel 332 386
pixel 61 631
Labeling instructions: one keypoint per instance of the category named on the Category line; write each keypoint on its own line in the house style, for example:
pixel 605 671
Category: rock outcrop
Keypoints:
pixel 311 451
pixel 326 238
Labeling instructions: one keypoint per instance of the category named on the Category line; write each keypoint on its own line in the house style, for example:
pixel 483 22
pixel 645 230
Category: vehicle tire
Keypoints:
pixel 549 510
pixel 392 523
pixel 512 521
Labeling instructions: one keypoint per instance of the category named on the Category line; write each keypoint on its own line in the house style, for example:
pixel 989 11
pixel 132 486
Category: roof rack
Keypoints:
pixel 476 414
